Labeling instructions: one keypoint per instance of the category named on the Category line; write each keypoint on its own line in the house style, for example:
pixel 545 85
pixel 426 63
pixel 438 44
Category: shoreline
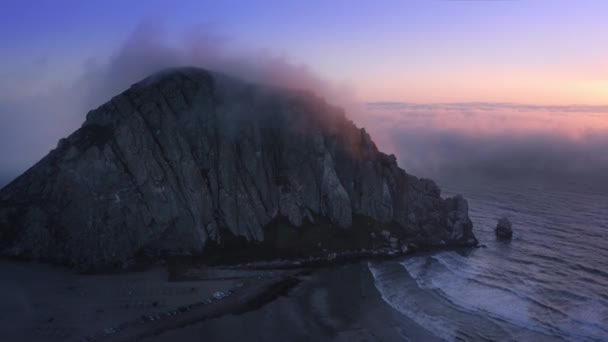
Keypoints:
pixel 173 295
pixel 60 304
pixel 334 303
pixel 239 299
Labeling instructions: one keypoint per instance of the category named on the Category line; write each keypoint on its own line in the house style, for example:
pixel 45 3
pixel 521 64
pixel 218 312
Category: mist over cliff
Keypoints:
pixel 39 106
pixel 188 159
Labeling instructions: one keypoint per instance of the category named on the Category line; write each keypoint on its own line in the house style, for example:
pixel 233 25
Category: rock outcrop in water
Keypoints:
pixel 186 160
pixel 503 229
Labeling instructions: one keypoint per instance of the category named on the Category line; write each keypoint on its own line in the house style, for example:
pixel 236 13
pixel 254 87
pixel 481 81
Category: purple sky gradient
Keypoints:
pixel 60 58
pixel 384 47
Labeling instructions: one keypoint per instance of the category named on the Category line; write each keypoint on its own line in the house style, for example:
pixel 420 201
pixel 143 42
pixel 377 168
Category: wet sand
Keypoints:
pixel 336 303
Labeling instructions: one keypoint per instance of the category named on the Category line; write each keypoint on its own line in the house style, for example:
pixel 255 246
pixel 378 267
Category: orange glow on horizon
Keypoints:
pixel 541 88
pixel 495 120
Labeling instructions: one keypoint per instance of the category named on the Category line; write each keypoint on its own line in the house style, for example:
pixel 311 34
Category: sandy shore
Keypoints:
pixel 45 303
pixel 338 303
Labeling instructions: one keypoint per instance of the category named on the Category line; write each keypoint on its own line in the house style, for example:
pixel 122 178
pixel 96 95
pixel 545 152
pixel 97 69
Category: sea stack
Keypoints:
pixel 503 229
pixel 187 161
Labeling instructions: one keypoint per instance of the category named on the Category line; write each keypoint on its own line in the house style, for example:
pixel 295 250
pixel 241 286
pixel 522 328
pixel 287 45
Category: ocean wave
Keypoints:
pixel 552 277
pixel 465 283
pixel 464 289
pixel 405 302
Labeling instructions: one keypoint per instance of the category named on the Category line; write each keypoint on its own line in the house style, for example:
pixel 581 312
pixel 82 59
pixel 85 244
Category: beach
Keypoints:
pixel 335 303
pixel 46 303
pixel 332 303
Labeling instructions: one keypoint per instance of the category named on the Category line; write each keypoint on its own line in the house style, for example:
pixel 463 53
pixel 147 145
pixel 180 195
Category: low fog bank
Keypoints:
pixel 498 142
pixel 451 155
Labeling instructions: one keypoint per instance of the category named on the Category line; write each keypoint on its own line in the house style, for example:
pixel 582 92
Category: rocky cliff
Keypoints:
pixel 186 159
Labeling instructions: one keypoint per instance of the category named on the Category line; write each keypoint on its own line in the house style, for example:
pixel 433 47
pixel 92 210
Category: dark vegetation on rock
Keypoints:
pixel 189 162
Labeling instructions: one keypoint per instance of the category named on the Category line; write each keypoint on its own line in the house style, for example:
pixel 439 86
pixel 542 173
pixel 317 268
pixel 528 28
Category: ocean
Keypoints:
pixel 549 283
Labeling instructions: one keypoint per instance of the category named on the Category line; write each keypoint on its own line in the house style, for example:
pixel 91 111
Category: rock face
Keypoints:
pixel 503 229
pixel 188 158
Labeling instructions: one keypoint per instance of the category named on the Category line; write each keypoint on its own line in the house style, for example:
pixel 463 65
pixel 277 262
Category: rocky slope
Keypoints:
pixel 188 159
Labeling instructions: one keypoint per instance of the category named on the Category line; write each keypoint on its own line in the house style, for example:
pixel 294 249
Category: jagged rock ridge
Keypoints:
pixel 186 154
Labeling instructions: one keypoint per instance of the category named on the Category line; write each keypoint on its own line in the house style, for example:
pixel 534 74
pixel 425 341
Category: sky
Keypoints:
pixel 528 75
